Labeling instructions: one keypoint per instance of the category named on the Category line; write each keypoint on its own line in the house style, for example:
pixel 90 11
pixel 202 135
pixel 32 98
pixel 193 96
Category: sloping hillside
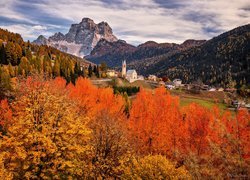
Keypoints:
pixel 18 57
pixel 223 60
pixel 113 53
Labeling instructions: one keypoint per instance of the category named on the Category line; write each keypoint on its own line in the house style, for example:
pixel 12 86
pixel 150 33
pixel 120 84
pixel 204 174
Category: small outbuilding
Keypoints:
pixel 177 82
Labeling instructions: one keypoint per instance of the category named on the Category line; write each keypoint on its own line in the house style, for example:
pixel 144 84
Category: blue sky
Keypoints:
pixel 135 21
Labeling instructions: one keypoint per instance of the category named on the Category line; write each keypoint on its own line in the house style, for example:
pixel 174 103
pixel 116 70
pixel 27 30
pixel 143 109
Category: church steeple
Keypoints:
pixel 124 68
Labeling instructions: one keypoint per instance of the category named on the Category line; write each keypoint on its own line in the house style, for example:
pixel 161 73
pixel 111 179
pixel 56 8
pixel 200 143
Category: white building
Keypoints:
pixel 177 82
pixel 220 89
pixel 152 77
pixel 131 75
pixel 140 77
pixel 170 86
pixel 111 73
pixel 212 89
pixel 124 68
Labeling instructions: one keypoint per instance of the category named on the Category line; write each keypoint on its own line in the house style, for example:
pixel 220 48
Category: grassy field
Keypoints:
pixel 206 99
pixel 143 84
pixel 184 101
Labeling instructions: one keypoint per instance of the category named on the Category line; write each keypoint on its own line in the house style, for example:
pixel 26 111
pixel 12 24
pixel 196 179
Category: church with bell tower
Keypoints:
pixel 131 74
pixel 124 69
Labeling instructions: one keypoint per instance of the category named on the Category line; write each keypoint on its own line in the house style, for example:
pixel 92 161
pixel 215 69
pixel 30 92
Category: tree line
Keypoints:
pixel 129 90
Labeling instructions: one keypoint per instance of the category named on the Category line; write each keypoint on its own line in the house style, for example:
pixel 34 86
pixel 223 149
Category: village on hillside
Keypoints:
pixel 103 76
pixel 130 77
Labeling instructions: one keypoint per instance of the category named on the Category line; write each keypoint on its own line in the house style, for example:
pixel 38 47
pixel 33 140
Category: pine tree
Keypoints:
pixel 13 53
pixel 24 67
pixel 5 80
pixel 56 68
pixel 98 71
pixel 77 69
pixel 28 54
pixel 94 70
pixel 47 66
pixel 11 70
pixel 9 51
pixel 90 71
pixel 2 55
pixel 103 67
pixel 18 54
pixel 38 64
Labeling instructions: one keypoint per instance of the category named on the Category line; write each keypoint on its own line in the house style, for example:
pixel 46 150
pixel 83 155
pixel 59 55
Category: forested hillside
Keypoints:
pixel 113 53
pixel 222 61
pixel 19 58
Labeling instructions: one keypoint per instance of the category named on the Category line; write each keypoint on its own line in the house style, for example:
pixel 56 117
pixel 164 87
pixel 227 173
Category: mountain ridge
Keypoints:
pixel 114 52
pixel 80 39
pixel 222 60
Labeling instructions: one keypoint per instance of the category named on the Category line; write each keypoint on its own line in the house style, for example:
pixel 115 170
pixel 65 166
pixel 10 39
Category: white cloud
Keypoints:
pixel 6 9
pixel 143 20
pixel 27 32
pixel 39 27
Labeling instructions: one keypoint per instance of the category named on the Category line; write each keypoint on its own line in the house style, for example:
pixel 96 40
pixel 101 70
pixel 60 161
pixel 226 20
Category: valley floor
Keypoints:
pixel 203 98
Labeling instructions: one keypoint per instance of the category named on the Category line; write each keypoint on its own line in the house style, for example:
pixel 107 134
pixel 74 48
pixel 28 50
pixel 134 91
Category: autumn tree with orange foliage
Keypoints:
pixel 108 125
pixel 236 146
pixel 154 122
pixel 196 123
pixel 206 141
pixel 5 115
pixel 222 152
pixel 241 131
pixel 93 100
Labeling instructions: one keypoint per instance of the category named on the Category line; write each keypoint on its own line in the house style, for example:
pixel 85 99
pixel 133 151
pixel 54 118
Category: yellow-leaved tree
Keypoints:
pixel 153 167
pixel 48 138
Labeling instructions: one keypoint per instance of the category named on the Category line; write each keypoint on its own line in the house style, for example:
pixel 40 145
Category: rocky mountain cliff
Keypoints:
pixel 41 40
pixel 81 38
pixel 114 52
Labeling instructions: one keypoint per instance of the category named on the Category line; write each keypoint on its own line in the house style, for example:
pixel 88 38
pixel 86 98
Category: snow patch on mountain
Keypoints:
pixel 81 38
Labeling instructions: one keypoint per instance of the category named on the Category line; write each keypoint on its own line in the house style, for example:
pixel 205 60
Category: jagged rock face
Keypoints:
pixel 57 37
pixel 81 38
pixel 41 40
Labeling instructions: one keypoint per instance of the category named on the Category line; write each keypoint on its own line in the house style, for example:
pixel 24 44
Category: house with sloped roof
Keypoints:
pixel 131 75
